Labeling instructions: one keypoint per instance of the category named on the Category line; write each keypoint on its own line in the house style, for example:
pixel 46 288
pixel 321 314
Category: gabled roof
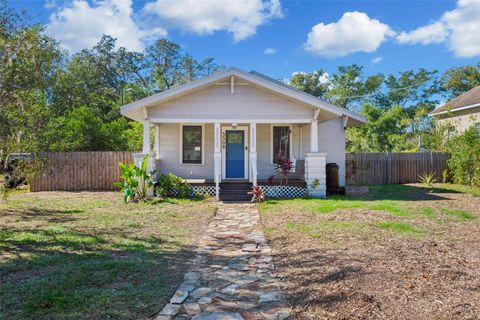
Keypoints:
pixel 469 99
pixel 254 77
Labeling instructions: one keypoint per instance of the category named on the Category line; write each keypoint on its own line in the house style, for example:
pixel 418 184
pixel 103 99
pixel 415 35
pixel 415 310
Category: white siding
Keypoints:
pixel 170 160
pixel 217 103
pixel 264 150
pixel 331 140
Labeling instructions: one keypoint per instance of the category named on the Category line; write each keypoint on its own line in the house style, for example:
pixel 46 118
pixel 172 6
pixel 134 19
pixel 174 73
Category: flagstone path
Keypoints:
pixel 231 276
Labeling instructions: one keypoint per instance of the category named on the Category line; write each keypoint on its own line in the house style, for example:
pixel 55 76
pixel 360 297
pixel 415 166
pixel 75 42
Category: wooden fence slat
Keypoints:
pixel 75 171
pixel 98 170
pixel 392 168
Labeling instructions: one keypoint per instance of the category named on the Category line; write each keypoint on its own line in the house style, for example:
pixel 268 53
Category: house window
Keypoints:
pixel 450 132
pixel 192 150
pixel 280 142
pixel 477 126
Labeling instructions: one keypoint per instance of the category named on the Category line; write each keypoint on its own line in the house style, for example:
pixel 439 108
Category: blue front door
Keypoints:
pixel 234 160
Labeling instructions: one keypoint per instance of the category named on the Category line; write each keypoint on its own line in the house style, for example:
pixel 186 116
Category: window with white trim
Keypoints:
pixel 192 138
pixel 280 142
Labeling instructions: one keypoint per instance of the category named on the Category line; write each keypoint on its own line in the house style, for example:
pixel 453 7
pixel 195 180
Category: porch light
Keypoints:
pixel 234 125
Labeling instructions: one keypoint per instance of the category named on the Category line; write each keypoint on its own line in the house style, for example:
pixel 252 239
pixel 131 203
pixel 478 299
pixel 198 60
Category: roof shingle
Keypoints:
pixel 471 97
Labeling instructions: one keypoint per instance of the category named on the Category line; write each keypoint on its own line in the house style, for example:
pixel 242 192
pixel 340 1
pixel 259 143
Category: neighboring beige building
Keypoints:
pixel 461 112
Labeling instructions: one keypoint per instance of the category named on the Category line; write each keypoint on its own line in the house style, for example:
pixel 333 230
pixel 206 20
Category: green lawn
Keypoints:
pixel 410 202
pixel 399 252
pixel 89 256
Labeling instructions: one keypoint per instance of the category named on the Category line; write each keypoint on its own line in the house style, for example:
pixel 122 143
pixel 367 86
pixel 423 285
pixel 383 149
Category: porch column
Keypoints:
pixel 217 159
pixel 253 153
pixel 314 136
pixel 146 136
pixel 138 157
pixel 156 143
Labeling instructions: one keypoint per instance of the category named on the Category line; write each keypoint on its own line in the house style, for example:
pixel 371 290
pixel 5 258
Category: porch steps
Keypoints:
pixel 235 191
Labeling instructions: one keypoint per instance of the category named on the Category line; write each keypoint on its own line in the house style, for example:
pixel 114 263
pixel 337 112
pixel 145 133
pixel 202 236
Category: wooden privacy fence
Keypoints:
pixel 98 170
pixel 392 168
pixel 75 171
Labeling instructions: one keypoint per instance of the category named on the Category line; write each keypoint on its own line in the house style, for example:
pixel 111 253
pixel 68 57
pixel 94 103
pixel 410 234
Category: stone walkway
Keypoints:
pixel 231 276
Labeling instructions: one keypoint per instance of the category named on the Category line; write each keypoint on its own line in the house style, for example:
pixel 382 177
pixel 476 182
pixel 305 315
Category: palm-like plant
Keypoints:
pixel 257 194
pixel 136 180
pixel 428 178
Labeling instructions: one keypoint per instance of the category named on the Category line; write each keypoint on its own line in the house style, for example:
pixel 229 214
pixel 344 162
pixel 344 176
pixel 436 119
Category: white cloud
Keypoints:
pixel 50 4
pixel 78 25
pixel 464 25
pixel 240 18
pixel 294 73
pixel 354 32
pixel 432 33
pixel 324 78
pixel 458 28
pixel 377 59
pixel 270 51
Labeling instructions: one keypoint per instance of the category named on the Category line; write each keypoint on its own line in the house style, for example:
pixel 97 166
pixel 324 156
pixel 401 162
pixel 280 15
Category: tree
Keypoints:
pixel 464 161
pixel 98 79
pixel 396 106
pixel 416 92
pixel 349 89
pixel 456 81
pixel 170 66
pixel 82 130
pixel 384 131
pixel 315 83
pixel 29 61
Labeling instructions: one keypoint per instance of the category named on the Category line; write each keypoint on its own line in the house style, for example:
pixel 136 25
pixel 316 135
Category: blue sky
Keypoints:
pixel 279 37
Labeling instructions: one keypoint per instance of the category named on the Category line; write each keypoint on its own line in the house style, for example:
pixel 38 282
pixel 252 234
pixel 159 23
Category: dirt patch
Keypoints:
pixel 351 264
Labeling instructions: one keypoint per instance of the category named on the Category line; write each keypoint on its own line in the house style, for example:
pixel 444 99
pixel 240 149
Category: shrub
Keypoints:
pixel 257 194
pixel 464 161
pixel 446 176
pixel 4 192
pixel 136 180
pixel 284 166
pixel 171 185
pixel 427 178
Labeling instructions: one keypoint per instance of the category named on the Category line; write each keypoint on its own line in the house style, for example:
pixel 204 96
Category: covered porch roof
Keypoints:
pixel 321 110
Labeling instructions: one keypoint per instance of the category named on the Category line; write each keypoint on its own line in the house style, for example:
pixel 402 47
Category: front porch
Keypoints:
pixel 244 152
pixel 237 190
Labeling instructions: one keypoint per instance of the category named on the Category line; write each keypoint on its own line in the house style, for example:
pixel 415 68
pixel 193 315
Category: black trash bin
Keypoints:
pixel 333 184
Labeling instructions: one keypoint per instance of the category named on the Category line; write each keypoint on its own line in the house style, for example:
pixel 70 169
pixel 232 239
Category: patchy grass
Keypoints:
pixel 458 213
pixel 399 227
pixel 391 207
pixel 88 255
pixel 449 188
pixel 399 252
pixel 397 200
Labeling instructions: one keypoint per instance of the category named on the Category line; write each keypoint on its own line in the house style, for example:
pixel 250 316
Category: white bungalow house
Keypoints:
pixel 230 126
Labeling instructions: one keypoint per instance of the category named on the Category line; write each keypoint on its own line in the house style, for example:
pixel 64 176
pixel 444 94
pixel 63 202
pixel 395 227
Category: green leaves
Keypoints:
pixel 428 178
pixel 136 180
pixel 170 185
pixel 464 162
pixel 53 101
pixel 460 79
